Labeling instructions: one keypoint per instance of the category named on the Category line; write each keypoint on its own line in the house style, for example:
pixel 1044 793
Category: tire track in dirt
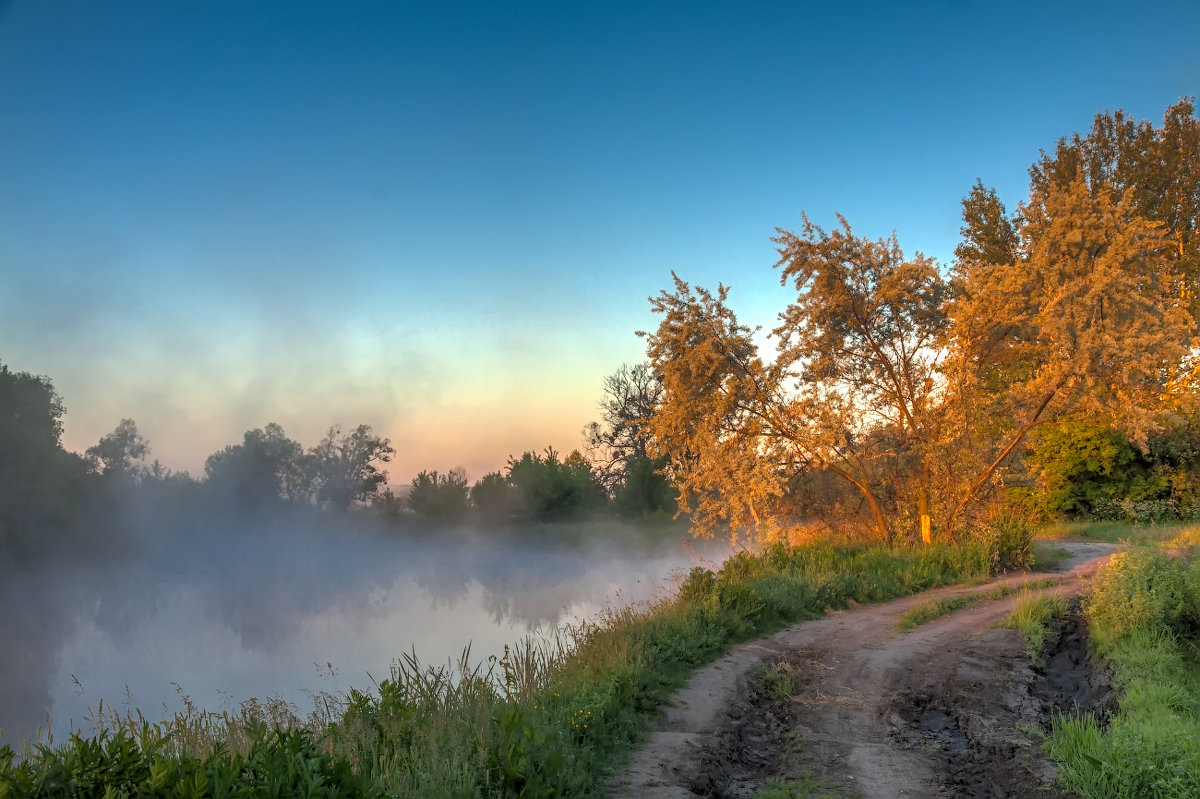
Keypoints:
pixel 948 709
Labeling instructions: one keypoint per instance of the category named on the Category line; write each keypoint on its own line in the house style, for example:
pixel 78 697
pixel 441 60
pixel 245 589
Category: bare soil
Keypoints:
pixel 855 708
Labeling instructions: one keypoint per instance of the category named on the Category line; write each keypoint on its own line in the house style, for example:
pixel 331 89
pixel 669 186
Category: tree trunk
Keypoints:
pixel 881 525
pixel 923 505
pixel 1012 445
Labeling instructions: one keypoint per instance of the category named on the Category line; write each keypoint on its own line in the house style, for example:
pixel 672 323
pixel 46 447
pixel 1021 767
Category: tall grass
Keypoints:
pixel 1143 612
pixel 551 717
pixel 1031 618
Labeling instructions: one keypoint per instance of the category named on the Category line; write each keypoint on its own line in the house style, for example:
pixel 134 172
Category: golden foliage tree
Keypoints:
pixel 918 388
pixel 852 384
pixel 1086 316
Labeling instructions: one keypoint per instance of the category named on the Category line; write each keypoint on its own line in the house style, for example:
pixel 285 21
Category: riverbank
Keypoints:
pixel 552 716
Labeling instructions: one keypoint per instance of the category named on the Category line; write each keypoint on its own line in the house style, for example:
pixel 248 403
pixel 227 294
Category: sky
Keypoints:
pixel 444 219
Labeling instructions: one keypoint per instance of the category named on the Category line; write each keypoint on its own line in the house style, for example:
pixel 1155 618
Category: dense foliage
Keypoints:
pixel 916 388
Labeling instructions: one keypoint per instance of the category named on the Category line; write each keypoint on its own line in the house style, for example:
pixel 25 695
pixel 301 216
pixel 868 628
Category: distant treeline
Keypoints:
pixel 48 493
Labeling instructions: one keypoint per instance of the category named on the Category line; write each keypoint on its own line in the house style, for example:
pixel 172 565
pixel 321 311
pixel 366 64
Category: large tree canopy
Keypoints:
pixel 852 390
pixel 918 387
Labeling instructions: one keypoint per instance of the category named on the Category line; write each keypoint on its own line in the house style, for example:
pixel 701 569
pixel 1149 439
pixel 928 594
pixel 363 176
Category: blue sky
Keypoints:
pixel 444 219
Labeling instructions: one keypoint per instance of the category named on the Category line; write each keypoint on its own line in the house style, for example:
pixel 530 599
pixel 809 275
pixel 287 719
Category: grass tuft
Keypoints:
pixel 1031 618
pixel 1143 611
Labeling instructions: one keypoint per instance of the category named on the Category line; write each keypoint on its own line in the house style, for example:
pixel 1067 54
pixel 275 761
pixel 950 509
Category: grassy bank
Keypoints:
pixel 551 717
pixel 1143 614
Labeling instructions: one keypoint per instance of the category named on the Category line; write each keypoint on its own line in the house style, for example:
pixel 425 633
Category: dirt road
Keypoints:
pixel 856 708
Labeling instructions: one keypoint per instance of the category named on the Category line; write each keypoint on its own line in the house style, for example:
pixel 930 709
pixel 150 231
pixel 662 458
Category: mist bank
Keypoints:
pixel 172 593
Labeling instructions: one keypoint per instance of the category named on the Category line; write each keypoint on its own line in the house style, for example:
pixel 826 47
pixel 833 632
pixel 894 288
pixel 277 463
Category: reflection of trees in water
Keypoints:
pixel 533 588
pixel 266 579
pixel 444 575
pixel 36 619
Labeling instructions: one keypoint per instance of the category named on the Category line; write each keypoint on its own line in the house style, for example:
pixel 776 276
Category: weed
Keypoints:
pixel 807 787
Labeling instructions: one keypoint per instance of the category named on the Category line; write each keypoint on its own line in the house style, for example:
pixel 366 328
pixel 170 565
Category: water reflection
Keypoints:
pixel 233 615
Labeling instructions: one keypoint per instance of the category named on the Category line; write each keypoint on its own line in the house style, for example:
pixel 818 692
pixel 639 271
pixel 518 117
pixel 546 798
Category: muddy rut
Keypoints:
pixel 850 706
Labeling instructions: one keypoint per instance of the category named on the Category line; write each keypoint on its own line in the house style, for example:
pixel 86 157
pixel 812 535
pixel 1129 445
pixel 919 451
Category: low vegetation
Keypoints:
pixel 1143 613
pixel 936 608
pixel 1032 617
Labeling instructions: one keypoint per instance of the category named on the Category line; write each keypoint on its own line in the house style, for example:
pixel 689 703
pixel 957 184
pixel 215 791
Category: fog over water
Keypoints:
pixel 257 610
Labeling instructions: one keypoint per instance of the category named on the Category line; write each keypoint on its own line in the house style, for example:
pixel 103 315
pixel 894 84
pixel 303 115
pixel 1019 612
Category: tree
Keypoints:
pixel 1154 171
pixel 853 386
pixel 345 468
pixel 266 468
pixel 713 423
pixel 549 489
pixel 440 497
pixel 865 335
pixel 618 445
pixel 1087 318
pixel 121 453
pixel 1082 464
pixel 494 497
pixel 631 395
pixel 645 490
pixel 41 485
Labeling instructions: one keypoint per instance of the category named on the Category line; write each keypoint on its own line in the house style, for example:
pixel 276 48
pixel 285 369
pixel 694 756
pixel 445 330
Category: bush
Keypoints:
pixel 1140 589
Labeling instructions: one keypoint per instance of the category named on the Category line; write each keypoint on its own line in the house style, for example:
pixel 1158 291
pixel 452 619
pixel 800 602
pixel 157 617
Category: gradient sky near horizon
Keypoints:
pixel 444 219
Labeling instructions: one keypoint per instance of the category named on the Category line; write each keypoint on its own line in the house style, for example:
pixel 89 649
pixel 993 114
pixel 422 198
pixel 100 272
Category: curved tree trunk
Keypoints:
pixel 1003 456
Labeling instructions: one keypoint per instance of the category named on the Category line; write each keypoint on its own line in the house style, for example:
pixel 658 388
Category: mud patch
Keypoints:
pixel 983 720
pixel 755 743
pixel 1072 682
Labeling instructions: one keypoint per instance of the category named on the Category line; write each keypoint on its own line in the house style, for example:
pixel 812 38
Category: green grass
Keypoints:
pixel 807 787
pixel 1113 532
pixel 1046 556
pixel 551 717
pixel 1031 618
pixel 1143 613
pixel 936 608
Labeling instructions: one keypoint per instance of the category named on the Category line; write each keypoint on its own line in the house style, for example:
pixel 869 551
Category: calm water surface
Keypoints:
pixel 228 617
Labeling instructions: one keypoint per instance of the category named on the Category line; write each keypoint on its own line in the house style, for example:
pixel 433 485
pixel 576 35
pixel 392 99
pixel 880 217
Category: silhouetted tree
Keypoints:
pixel 618 444
pixel 440 497
pixel 494 497
pixel 121 453
pixel 266 468
pixel 344 466
pixel 41 485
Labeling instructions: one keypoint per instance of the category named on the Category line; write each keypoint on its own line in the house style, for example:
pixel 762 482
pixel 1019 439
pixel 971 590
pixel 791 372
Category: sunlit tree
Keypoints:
pixel 1087 317
pixel 853 384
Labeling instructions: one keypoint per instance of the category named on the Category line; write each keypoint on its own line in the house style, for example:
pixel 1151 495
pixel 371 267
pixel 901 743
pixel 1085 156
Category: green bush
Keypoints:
pixel 1140 589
